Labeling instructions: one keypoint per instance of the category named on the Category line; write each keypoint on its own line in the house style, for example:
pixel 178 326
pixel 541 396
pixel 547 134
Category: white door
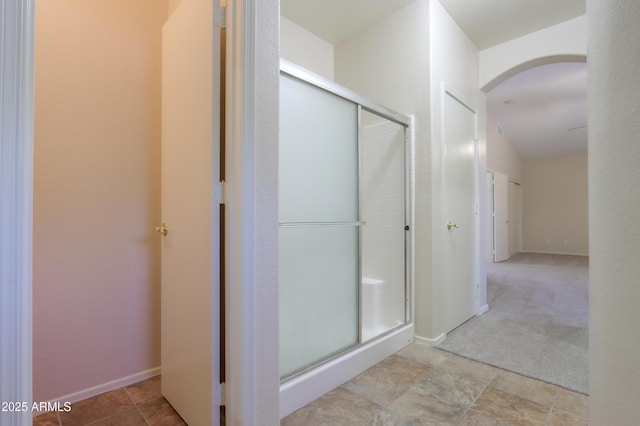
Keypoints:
pixel 515 214
pixel 459 212
pixel 500 217
pixel 190 345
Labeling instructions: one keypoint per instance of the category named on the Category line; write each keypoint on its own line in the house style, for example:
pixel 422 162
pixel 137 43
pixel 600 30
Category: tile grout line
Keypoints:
pixel 571 414
pixel 137 406
pixel 553 404
pixel 143 416
pixel 475 400
pixel 112 414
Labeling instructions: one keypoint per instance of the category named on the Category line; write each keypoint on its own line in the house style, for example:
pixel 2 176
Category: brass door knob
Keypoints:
pixel 452 225
pixel 162 229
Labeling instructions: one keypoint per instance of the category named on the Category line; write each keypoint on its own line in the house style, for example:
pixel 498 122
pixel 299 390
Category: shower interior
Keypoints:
pixel 345 229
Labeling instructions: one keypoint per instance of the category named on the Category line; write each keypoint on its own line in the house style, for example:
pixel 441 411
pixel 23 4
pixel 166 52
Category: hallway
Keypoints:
pixel 537 323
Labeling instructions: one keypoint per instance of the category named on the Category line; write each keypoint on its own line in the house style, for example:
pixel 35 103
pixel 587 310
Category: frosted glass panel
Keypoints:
pixel 383 236
pixel 318 154
pixel 318 294
pixel 332 176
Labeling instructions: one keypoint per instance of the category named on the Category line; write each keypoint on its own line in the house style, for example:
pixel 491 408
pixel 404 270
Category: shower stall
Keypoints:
pixel 345 234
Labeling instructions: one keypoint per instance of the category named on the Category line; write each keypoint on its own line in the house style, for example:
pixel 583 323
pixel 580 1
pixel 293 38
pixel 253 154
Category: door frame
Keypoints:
pixel 504 199
pixel 251 200
pixel 17 19
pixel 252 387
pixel 519 215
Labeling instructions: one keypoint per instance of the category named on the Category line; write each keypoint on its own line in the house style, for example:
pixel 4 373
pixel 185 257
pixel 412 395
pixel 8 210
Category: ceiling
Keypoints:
pixel 546 101
pixel 335 20
pixel 491 22
pixel 543 111
pixel 486 22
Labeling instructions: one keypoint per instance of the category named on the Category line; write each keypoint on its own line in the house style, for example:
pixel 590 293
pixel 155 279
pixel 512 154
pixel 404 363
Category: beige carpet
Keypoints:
pixel 537 320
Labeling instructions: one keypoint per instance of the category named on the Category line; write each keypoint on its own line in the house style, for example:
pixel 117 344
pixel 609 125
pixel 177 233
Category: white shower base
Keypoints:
pixel 376 318
pixel 307 387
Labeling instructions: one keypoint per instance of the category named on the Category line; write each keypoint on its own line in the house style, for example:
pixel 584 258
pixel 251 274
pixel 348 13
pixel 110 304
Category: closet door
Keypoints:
pixel 190 343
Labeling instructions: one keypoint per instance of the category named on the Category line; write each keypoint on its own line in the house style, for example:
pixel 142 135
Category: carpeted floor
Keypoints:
pixel 537 320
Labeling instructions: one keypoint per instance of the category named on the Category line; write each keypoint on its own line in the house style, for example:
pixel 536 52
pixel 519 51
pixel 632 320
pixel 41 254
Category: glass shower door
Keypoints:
pixel 319 225
pixel 384 237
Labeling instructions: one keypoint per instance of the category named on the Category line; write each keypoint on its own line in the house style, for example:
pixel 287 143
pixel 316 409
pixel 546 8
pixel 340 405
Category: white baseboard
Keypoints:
pixel 483 310
pixel 555 252
pixel 105 387
pixel 431 342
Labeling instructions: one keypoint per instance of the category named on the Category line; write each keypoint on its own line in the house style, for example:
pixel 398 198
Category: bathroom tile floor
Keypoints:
pixel 139 404
pixel 417 386
pixel 424 386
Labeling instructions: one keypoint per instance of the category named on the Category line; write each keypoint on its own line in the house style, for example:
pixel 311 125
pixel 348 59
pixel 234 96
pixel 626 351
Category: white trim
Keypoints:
pixel 302 390
pixel 431 342
pixel 16 206
pixel 483 310
pixel 554 252
pixel 105 387
pixel 252 381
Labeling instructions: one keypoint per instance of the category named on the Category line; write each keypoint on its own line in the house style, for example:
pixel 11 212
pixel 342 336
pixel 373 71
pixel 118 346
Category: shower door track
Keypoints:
pixel 332 87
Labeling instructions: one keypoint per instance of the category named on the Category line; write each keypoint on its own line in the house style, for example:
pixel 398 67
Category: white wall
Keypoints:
pixel 502 156
pixel 389 63
pixel 454 61
pixel 555 205
pixel 614 209
pixel 300 46
pixel 564 42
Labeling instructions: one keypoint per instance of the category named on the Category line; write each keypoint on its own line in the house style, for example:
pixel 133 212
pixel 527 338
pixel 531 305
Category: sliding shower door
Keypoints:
pixel 319 228
pixel 385 213
pixel 344 222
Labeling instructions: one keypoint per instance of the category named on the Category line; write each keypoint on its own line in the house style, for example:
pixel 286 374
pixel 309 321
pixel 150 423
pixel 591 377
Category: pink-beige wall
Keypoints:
pixel 555 205
pixel 96 193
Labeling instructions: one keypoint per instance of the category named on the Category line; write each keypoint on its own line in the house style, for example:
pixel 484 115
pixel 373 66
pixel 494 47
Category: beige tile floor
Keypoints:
pixel 425 386
pixel 139 404
pixel 417 386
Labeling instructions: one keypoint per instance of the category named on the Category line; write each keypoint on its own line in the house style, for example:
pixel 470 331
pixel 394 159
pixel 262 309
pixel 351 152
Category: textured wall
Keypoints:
pixel 304 48
pixel 96 192
pixel 502 156
pixel 566 40
pixel 454 62
pixel 614 209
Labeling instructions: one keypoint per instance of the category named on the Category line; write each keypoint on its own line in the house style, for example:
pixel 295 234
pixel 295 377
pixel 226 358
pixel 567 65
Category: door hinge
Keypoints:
pixel 218 395
pixel 220 16
pixel 218 192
